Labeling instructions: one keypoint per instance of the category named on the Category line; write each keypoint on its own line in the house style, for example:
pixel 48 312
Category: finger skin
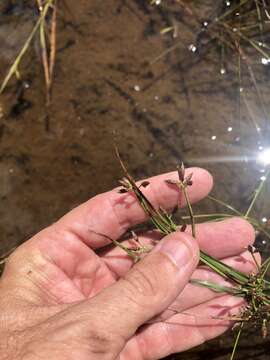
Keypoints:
pixel 183 331
pixel 226 238
pixel 243 262
pixel 112 214
pixel 219 239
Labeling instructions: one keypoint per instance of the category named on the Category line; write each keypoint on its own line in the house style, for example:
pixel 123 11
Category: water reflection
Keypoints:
pixel 261 158
pixel 265 61
pixel 264 156
pixel 137 88
pixel 192 48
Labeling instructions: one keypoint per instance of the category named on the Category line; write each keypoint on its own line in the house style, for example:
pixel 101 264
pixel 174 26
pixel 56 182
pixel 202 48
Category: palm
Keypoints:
pixel 74 271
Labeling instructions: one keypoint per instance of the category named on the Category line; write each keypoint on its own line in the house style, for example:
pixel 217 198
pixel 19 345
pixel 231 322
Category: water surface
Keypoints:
pixel 109 87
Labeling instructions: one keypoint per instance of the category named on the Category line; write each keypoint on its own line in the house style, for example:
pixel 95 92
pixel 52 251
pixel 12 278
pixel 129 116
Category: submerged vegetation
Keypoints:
pixel 45 29
pixel 239 33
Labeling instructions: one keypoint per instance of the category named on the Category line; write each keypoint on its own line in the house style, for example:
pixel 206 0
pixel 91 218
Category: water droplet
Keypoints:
pixel 192 48
pixel 234 29
pixel 157 2
pixel 260 148
pixel 229 129
pixel 237 139
pixel 205 23
pixel 263 178
pixel 228 3
pixel 241 89
pixel 137 88
pixel 264 219
pixel 156 98
pixel 237 14
pixel 265 61
pixel 213 137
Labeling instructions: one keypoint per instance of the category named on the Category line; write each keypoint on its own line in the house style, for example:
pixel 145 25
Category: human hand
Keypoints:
pixel 65 297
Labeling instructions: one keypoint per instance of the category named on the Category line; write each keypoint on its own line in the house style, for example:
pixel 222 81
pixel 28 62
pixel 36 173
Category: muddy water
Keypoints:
pixel 108 87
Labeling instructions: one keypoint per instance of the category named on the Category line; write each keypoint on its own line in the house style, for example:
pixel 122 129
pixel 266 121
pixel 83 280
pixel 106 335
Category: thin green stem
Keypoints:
pixel 265 267
pixel 190 210
pixel 220 202
pixel 231 11
pixel 256 194
pixel 236 342
pixel 14 68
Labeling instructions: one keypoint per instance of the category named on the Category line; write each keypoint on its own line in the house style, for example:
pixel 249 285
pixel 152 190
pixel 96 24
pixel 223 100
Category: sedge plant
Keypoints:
pixel 254 288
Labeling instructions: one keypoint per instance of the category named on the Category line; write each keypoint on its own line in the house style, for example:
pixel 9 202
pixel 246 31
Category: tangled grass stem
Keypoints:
pixel 254 288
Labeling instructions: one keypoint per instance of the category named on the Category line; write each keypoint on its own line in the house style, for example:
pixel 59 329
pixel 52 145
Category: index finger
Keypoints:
pixel 112 214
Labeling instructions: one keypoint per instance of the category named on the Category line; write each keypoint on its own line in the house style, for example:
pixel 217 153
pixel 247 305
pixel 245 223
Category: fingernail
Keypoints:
pixel 177 250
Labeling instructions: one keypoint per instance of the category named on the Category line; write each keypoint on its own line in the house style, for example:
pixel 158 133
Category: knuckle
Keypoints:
pixel 150 281
pixel 100 343
pixel 142 282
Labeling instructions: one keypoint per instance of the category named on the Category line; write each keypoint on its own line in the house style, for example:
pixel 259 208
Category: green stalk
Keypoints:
pixel 260 19
pixel 265 266
pixel 231 11
pixel 218 288
pixel 224 270
pixel 252 221
pixel 256 194
pixel 14 68
pixel 225 205
pixel 236 342
pixel 190 210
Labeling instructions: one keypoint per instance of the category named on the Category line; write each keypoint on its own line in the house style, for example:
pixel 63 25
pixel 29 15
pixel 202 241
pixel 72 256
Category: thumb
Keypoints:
pixel 146 290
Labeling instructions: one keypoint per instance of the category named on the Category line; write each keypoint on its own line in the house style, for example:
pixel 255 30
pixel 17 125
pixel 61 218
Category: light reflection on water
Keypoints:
pixel 259 158
pixel 264 156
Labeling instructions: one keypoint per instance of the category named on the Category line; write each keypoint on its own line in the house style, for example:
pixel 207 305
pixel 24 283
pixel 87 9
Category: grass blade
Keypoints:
pixel 218 288
pixel 14 67
pixel 257 192
pixel 236 342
